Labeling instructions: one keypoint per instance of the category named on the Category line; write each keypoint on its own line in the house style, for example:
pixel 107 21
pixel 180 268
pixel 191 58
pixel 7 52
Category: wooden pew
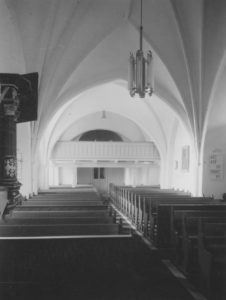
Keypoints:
pixel 62 214
pixel 212 258
pixel 141 206
pixel 153 212
pixel 135 204
pixel 56 195
pixel 48 202
pixel 149 210
pixel 57 214
pixel 62 197
pixel 59 208
pixel 31 230
pixel 132 194
pixel 135 197
pixel 136 207
pixel 130 201
pixel 165 217
pixel 148 206
pixel 60 220
pixel 184 236
pixel 120 193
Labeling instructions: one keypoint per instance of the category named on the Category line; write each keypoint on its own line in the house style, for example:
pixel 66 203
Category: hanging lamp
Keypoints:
pixel 141 79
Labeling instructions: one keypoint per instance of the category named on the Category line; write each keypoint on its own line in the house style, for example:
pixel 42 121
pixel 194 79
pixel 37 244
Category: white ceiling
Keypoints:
pixel 80 46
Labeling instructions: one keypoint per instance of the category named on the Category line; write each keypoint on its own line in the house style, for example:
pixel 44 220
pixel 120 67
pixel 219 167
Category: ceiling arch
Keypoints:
pixel 115 99
pixel 112 121
pixel 132 118
pixel 76 45
pixel 109 62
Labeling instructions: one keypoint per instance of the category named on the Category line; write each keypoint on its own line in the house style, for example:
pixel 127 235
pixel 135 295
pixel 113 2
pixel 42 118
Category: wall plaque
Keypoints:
pixel 216 165
pixel 185 158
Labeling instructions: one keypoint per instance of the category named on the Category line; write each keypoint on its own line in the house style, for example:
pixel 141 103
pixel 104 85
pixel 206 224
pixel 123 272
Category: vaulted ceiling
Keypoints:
pixel 79 45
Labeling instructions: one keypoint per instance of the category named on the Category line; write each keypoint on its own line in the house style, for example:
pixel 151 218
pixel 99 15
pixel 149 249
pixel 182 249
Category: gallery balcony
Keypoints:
pixel 105 152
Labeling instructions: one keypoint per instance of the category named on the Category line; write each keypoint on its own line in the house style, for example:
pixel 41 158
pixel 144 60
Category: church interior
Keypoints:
pixel 113 149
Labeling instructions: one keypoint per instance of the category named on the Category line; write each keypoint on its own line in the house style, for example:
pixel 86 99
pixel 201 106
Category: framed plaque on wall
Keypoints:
pixel 216 165
pixel 185 158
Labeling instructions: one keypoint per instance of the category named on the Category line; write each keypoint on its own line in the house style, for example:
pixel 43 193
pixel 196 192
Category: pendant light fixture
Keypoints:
pixel 141 79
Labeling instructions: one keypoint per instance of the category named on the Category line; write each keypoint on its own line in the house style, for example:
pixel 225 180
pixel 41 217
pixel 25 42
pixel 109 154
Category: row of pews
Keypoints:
pixel 100 260
pixel 85 268
pixel 190 231
pixel 66 213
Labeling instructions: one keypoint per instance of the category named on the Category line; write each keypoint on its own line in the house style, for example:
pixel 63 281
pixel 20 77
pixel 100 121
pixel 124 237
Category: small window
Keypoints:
pixel 102 173
pixel 95 173
pixel 98 173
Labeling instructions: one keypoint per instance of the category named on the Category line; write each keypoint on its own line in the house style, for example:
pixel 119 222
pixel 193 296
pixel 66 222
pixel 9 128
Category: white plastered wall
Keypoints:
pixel 178 178
pixel 149 175
pixel 215 139
pixel 138 120
pixel 24 158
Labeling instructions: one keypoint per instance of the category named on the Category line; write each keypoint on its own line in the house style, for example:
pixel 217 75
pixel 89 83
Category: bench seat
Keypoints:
pixel 60 208
pixel 59 220
pixel 29 230
pixel 59 213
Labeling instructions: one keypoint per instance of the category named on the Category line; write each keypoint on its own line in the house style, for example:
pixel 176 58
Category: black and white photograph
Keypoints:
pixel 112 149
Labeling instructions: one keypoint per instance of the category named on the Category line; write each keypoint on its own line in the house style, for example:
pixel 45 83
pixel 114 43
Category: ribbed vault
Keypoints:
pixel 80 45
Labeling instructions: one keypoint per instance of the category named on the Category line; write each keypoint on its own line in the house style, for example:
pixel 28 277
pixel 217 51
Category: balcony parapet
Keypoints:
pixel 105 151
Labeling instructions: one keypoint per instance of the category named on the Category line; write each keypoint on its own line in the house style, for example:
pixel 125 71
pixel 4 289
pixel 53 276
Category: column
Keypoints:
pixel 9 113
pixel 75 176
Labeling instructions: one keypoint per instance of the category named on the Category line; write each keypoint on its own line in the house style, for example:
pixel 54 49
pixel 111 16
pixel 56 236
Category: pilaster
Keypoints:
pixel 9 112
